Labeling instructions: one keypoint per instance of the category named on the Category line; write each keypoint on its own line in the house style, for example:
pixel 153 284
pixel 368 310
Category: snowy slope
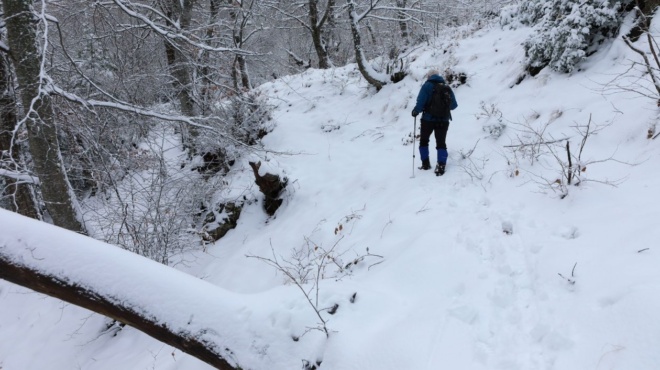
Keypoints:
pixel 440 284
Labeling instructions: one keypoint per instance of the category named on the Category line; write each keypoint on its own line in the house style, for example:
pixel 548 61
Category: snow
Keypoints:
pixel 481 268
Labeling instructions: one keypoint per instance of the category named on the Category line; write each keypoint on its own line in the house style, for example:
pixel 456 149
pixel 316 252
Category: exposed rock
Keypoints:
pixel 455 79
pixel 217 224
pixel 215 162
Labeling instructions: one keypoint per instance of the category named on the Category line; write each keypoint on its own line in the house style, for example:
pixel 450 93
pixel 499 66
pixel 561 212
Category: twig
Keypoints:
pixel 275 263
pixel 569 174
pixel 386 225
pixel 471 151
pixel 423 209
pixel 535 144
pixel 585 135
pixel 372 265
pixel 570 281
pixel 307 268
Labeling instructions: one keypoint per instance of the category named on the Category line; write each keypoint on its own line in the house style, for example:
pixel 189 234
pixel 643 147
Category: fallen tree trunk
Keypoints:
pixel 173 307
pixel 108 306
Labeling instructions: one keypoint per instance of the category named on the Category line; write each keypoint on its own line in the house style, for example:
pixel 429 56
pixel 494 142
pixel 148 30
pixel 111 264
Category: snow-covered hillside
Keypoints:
pixel 492 266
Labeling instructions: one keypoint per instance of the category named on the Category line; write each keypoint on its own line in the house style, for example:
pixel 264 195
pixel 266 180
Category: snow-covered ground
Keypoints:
pixel 486 267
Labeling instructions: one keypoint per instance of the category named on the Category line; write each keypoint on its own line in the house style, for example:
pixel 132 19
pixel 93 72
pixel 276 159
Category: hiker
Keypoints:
pixel 443 102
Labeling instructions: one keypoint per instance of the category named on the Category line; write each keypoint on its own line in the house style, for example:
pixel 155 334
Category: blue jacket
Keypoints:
pixel 425 94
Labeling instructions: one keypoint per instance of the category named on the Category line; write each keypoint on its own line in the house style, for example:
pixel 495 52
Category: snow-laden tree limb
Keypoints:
pixel 19 176
pixel 126 107
pixel 176 34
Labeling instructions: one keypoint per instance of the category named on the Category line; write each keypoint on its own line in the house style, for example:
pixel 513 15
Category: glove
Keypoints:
pixel 415 113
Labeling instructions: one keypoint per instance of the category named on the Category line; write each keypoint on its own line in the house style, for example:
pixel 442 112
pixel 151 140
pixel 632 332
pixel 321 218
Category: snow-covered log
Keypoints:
pixel 175 308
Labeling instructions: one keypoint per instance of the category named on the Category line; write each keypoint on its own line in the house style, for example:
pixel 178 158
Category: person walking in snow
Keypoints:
pixel 436 100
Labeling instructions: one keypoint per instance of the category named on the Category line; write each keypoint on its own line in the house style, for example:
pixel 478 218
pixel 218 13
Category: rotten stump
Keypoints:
pixel 271 186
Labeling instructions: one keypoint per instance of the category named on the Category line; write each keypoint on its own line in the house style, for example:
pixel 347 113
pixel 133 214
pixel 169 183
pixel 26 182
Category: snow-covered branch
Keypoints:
pixel 19 176
pixel 126 7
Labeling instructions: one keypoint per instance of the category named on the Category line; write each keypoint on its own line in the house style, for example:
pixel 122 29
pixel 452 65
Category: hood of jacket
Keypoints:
pixel 436 78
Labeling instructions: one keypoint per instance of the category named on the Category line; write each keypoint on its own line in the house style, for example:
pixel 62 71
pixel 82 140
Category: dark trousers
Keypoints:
pixel 440 129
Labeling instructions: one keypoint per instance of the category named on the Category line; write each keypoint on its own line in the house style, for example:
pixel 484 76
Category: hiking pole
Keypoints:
pixel 413 135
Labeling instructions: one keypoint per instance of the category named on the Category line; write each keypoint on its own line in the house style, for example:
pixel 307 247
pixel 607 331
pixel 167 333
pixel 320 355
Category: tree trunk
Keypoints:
pixel 239 66
pixel 205 60
pixel 359 53
pixel 316 26
pixel 330 30
pixel 181 70
pixel 403 25
pixel 243 72
pixel 182 80
pixel 21 194
pixel 180 11
pixel 40 122
pixel 649 6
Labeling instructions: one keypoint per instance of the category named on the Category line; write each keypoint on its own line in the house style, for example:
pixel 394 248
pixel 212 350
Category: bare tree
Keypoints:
pixel 179 17
pixel 205 73
pixel 241 15
pixel 650 59
pixel 651 67
pixel 38 117
pixel 317 23
pixel 375 79
pixel 316 18
pixel 17 189
pixel 188 41
pixel 403 17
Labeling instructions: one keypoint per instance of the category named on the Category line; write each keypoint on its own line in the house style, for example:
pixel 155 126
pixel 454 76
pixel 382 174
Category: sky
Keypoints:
pixel 494 265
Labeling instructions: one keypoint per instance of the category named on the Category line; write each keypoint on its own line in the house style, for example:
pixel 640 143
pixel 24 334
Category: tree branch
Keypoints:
pixel 647 63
